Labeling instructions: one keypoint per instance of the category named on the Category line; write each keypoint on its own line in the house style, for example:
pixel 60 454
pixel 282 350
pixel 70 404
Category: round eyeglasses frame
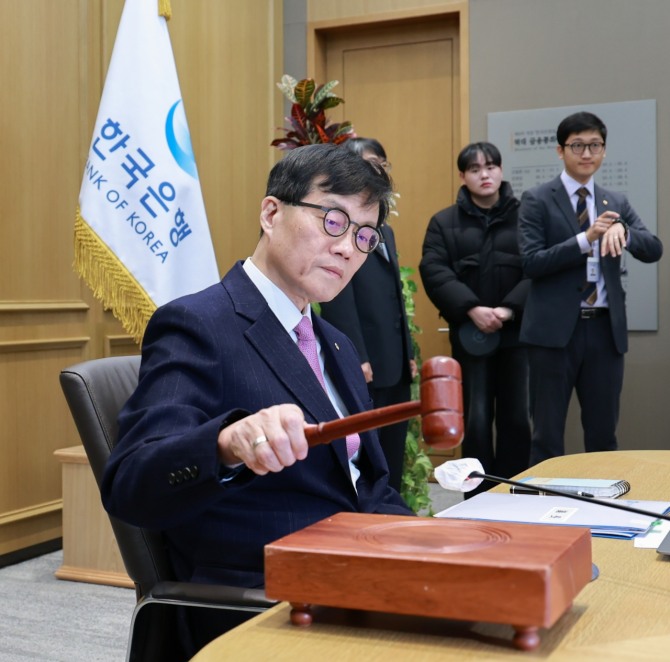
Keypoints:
pixel 578 148
pixel 361 242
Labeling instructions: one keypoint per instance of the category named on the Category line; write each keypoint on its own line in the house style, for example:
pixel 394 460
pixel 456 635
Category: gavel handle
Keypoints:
pixel 324 433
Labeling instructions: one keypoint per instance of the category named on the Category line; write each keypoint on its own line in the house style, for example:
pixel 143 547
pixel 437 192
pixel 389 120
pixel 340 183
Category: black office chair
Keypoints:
pixel 95 392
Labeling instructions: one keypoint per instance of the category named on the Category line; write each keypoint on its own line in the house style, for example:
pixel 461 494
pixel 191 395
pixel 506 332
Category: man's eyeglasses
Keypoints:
pixel 336 222
pixel 578 148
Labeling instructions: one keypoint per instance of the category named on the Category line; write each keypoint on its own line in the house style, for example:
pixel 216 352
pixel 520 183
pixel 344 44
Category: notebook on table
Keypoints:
pixel 603 521
pixel 599 488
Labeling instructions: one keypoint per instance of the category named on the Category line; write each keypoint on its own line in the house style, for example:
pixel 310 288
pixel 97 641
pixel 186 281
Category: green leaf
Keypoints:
pixel 343 127
pixel 329 102
pixel 418 467
pixel 303 92
pixel 324 90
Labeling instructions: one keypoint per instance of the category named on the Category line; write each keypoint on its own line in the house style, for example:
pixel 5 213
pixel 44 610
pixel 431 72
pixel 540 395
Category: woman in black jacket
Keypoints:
pixel 471 270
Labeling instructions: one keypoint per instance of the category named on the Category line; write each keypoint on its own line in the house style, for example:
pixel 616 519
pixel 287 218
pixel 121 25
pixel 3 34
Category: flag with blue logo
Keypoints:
pixel 141 234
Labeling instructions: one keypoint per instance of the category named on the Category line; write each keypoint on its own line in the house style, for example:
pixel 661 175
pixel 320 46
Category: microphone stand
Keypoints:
pixel 544 490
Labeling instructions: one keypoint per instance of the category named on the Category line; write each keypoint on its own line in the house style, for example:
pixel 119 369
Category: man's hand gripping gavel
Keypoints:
pixel 440 408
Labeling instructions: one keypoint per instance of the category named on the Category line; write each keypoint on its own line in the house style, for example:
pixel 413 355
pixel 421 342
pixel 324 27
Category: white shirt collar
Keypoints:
pixel 284 309
pixel 572 185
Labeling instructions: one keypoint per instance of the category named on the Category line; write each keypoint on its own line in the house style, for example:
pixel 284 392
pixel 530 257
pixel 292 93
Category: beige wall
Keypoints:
pixel 546 53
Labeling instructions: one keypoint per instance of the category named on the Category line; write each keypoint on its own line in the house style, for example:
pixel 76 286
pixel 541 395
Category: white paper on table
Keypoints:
pixel 652 538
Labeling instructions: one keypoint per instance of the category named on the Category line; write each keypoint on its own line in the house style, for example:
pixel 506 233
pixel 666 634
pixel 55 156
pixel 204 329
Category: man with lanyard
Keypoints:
pixel 572 236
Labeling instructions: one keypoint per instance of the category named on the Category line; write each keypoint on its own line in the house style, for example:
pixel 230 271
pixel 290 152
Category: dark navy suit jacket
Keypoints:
pixel 552 258
pixel 208 359
pixel 371 311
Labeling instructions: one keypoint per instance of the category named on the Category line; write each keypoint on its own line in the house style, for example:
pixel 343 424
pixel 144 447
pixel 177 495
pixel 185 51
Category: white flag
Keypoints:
pixel 141 234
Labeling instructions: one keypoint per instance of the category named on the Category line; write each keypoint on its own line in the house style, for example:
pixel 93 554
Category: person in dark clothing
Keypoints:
pixel 212 448
pixel 371 311
pixel 471 270
pixel 572 235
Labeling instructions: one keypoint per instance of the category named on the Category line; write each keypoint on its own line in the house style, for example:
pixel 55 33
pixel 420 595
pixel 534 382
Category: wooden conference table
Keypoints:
pixel 622 615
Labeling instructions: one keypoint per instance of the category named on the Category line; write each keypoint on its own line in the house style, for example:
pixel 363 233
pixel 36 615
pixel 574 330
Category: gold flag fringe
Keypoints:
pixel 110 281
pixel 164 9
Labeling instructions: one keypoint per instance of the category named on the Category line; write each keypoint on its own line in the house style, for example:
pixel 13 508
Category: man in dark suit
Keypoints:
pixel 211 447
pixel 371 311
pixel 572 235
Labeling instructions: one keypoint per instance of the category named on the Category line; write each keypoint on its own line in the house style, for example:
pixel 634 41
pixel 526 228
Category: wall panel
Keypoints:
pixel 38 125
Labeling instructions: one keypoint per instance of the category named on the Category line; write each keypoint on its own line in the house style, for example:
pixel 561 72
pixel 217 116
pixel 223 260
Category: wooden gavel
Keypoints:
pixel 440 408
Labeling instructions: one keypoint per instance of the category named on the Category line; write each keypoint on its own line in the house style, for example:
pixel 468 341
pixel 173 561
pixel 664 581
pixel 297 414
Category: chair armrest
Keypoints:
pixel 210 594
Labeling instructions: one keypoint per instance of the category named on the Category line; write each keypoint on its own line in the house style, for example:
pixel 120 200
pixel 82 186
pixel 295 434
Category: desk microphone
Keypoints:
pixel 467 474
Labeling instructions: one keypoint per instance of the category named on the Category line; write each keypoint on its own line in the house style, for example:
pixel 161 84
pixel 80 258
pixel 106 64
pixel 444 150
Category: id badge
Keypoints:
pixel 592 269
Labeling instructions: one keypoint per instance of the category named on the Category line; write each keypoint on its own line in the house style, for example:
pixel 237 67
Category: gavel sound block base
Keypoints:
pixel 522 575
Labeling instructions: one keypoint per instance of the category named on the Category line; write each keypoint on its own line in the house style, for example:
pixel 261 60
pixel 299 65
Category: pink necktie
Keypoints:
pixel 307 345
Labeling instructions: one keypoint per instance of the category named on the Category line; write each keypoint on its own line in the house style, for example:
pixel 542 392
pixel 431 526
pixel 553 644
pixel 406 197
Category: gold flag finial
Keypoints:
pixel 164 9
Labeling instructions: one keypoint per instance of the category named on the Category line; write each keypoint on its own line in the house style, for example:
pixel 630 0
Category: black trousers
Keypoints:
pixel 589 364
pixel 495 396
pixel 393 437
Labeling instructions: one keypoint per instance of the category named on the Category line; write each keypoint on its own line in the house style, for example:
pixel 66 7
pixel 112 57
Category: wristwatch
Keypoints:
pixel 625 225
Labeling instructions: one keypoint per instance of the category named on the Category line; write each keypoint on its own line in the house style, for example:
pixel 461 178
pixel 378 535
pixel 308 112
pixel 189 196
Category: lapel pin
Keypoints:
pixel 604 202
pixel 337 347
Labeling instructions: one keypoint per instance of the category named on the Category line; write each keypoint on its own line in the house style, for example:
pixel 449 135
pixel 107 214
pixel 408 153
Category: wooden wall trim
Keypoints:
pixel 42 344
pixel 36 510
pixel 43 306
pixel 116 344
pixel 419 13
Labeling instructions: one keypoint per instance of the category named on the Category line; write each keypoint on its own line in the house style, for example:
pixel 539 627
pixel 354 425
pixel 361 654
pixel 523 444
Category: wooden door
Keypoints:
pixel 400 83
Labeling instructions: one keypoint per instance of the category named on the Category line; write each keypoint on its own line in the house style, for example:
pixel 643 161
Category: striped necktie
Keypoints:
pixel 589 291
pixel 307 345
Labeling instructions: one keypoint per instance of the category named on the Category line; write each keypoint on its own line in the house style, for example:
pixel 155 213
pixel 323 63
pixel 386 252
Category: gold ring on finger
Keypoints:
pixel 258 441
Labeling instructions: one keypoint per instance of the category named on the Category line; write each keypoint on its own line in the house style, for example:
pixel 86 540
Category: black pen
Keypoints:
pixel 524 490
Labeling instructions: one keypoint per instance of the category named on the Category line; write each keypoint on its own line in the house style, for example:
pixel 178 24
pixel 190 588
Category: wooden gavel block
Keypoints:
pixel 440 408
pixel 522 575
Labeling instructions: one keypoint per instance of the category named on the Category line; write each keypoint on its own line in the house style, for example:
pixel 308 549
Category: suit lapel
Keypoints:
pixel 338 372
pixel 389 241
pixel 602 202
pixel 276 347
pixel 562 200
pixel 335 366
pixel 282 356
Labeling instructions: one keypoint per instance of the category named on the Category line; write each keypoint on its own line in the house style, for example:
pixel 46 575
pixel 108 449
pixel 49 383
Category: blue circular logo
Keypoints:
pixel 179 139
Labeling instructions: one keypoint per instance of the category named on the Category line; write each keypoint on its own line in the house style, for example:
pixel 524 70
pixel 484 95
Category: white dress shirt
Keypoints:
pixel 572 186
